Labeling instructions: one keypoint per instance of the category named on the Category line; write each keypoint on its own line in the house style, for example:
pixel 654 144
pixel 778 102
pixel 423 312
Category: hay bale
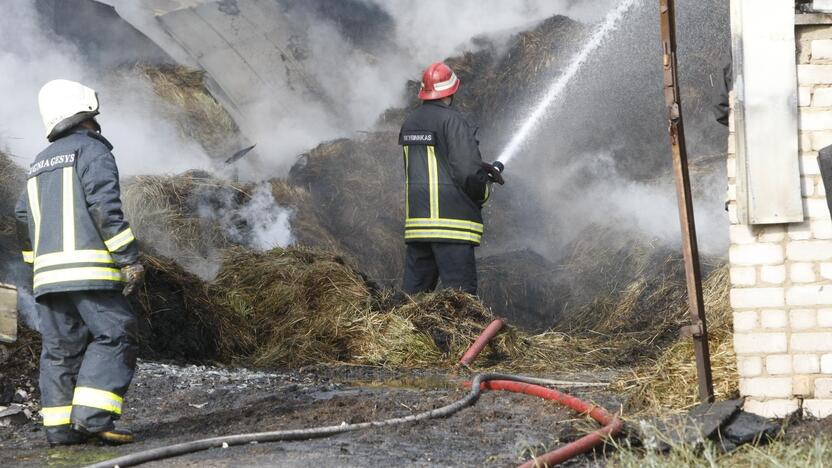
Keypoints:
pixel 669 382
pixel 297 306
pixel 169 216
pixel 197 113
pixel 177 318
pixel 357 189
pixel 523 287
pixel 287 306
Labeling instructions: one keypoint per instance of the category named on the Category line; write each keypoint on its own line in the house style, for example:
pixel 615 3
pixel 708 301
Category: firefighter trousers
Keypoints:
pixel 87 361
pixel 427 262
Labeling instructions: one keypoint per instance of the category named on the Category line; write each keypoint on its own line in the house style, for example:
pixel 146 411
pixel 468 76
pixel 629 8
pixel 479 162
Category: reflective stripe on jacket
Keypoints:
pixel 70 222
pixel 445 186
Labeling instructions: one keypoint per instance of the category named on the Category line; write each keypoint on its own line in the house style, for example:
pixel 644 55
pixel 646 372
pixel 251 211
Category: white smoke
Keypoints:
pixel 268 222
pixel 259 223
pixel 430 30
pixel 360 86
pixel 132 116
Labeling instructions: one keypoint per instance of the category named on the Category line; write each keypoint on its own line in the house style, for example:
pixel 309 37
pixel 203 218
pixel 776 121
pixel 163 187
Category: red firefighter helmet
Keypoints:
pixel 438 82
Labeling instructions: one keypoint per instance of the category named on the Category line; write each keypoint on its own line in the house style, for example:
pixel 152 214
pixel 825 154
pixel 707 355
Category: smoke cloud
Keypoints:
pixel 133 118
pixel 259 223
pixel 362 67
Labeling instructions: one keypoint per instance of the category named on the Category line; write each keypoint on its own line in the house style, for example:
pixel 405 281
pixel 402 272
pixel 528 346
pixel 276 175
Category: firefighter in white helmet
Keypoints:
pixel 85 262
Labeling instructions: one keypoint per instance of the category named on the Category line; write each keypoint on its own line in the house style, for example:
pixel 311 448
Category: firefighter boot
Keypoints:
pixel 115 436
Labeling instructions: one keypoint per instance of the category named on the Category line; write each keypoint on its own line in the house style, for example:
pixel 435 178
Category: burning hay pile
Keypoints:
pixel 668 381
pixel 292 307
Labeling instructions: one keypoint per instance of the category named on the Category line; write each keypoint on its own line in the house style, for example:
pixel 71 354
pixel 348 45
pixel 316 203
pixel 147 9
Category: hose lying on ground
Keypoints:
pixel 513 383
pixel 300 434
pixel 612 424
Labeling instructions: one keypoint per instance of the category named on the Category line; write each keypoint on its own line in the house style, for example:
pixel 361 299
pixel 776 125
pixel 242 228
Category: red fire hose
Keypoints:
pixel 512 383
pixel 492 329
pixel 612 424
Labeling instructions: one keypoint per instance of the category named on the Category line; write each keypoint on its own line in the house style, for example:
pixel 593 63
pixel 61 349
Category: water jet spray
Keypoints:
pixel 609 24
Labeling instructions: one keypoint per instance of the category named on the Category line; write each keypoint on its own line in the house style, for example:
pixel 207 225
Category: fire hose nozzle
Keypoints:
pixel 500 166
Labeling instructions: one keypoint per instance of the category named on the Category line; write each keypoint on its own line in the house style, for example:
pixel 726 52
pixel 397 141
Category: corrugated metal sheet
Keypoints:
pixel 250 38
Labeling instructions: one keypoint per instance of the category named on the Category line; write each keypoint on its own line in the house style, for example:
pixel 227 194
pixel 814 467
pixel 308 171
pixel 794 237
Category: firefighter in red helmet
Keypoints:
pixel 447 184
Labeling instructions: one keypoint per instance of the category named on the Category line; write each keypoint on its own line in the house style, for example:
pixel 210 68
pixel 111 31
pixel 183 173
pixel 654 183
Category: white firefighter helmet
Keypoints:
pixel 64 104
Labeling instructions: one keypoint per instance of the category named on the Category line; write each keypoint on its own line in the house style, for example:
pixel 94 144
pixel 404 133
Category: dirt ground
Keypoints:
pixel 170 404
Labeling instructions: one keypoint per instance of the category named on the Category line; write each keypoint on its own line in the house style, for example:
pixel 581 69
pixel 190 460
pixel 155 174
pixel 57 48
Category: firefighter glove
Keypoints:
pixel 133 276
pixel 494 174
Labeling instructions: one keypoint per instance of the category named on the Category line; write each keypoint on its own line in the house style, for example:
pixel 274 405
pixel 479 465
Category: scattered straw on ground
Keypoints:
pixel 670 380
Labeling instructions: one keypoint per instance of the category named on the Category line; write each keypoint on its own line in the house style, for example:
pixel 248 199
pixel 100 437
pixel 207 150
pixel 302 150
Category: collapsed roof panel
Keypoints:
pixel 244 46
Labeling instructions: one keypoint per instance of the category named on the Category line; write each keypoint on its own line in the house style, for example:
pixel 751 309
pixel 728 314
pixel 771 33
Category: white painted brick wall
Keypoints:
pixel 809 164
pixel 751 366
pixel 804 141
pixel 809 295
pixel 809 342
pixel 808 251
pixel 817 408
pixel 755 298
pixel 800 231
pixel 775 233
pixel 774 318
pixel 804 96
pixel 822 228
pixel 746 321
pixel 772 408
pixel 741 234
pixel 821 139
pixel 769 387
pixel 816 208
pixel 760 343
pixel 802 319
pixel 821 49
pixel 803 385
pixel 781 275
pixel 826 364
pixel 813 75
pixel 807 186
pixel 806 364
pixel 823 388
pixel 758 254
pixel 779 364
pixel 825 318
pixel 773 274
pixel 802 273
pixel 744 276
pixel 815 119
pixel 822 97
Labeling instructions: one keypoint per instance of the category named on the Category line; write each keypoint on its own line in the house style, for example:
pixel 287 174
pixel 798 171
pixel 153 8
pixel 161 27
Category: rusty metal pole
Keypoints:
pixel 690 250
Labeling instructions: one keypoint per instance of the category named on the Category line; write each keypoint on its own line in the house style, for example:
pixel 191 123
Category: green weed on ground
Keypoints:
pixel 807 453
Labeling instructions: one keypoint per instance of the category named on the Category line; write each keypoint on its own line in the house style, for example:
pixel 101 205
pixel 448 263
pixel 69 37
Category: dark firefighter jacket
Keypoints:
pixel 446 185
pixel 70 222
pixel 722 108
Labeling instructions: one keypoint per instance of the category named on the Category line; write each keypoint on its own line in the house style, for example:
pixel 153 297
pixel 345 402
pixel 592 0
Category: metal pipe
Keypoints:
pixel 690 249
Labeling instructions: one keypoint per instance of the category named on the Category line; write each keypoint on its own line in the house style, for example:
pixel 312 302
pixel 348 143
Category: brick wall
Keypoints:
pixel 781 275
